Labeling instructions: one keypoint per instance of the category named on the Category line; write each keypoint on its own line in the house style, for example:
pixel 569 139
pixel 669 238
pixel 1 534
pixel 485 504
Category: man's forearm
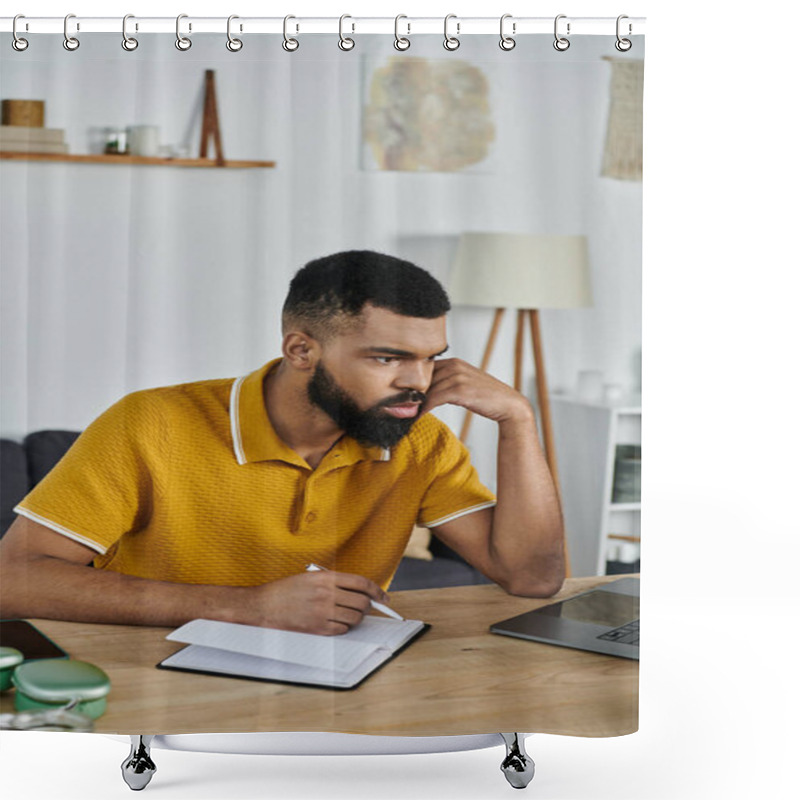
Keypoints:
pixel 52 588
pixel 326 603
pixel 527 537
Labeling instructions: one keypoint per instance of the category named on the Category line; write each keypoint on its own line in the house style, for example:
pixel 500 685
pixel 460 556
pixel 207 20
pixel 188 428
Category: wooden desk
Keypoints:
pixel 457 679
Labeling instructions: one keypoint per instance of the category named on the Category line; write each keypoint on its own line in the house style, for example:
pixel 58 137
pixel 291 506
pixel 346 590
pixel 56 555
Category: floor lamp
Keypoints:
pixel 528 273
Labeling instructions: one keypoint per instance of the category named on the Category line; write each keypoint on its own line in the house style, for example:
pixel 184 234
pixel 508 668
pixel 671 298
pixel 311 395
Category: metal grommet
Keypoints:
pixel 561 43
pixel 623 45
pixel 18 43
pixel 400 42
pixel 451 42
pixel 289 45
pixel 70 42
pixel 507 42
pixel 128 42
pixel 183 43
pixel 345 42
pixel 234 45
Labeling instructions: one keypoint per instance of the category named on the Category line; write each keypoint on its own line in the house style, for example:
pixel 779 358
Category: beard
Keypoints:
pixel 371 427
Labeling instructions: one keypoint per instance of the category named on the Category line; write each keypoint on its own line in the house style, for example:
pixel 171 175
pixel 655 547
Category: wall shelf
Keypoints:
pixel 625 507
pixel 10 155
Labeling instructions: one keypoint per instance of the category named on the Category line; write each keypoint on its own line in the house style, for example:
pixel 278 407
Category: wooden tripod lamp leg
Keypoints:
pixel 487 354
pixel 519 350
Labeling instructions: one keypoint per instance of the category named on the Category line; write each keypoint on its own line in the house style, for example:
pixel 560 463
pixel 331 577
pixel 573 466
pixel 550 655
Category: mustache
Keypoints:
pixel 411 396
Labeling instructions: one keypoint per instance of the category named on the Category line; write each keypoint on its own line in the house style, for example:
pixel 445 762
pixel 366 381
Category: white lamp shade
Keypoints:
pixel 516 270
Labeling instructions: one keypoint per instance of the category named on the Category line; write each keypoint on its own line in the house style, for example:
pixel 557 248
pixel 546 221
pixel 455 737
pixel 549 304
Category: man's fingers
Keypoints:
pixel 454 381
pixel 346 616
pixel 451 366
pixel 451 390
pixel 355 600
pixel 358 583
pixel 341 600
pixel 332 628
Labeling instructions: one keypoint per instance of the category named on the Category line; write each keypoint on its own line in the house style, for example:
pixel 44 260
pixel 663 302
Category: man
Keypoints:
pixel 209 499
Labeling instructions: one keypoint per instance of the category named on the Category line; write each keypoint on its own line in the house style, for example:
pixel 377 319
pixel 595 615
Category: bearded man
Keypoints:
pixel 210 499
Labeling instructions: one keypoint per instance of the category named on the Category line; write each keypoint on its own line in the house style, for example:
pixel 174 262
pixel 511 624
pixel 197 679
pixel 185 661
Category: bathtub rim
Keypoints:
pixel 305 743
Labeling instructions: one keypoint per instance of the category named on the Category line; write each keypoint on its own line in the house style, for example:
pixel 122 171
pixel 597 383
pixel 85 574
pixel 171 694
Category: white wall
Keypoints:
pixel 117 278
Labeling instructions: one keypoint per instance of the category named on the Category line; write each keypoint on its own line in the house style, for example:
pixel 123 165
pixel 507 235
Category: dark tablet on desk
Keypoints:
pixel 28 639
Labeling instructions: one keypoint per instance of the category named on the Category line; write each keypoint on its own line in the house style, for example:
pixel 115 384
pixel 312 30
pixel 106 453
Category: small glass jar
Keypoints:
pixel 116 142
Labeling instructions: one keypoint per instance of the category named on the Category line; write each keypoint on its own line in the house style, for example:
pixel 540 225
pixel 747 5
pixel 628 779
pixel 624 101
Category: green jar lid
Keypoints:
pixel 58 680
pixel 10 657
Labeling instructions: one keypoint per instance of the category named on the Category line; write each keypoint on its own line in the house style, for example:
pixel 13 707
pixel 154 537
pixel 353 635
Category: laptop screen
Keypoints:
pixel 598 607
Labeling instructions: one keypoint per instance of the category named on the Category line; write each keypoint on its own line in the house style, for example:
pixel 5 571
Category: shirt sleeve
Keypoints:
pixel 454 487
pixel 103 486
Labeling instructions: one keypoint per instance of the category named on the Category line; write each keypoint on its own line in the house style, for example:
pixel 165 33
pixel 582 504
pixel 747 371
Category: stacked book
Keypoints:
pixel 19 139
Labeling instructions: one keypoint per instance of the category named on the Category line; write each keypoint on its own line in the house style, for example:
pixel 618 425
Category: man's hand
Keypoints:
pixel 457 382
pixel 326 603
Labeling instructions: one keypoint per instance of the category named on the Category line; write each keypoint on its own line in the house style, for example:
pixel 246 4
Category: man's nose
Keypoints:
pixel 415 375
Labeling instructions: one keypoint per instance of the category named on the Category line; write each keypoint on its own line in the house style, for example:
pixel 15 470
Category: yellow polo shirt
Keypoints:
pixel 191 484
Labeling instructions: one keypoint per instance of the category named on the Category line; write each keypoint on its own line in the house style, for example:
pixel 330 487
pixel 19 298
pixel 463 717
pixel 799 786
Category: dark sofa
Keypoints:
pixel 24 464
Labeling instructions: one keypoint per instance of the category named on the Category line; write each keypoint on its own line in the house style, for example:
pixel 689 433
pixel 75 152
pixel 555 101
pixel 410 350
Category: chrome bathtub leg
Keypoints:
pixel 138 768
pixel 517 766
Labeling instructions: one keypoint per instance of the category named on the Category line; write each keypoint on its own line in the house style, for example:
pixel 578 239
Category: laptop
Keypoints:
pixel 602 620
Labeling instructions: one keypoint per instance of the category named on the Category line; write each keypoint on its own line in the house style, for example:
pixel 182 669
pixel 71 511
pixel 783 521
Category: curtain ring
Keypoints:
pixel 345 42
pixel 18 43
pixel 128 42
pixel 234 45
pixel 561 43
pixel 451 42
pixel 289 45
pixel 183 43
pixel 507 42
pixel 623 45
pixel 70 42
pixel 400 42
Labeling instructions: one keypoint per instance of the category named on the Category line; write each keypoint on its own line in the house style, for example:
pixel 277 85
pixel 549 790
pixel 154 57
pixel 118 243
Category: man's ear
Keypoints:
pixel 300 350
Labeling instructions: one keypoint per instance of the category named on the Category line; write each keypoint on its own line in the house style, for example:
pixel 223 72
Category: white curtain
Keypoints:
pixel 116 278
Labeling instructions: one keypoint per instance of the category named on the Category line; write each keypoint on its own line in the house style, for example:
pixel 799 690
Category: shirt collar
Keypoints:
pixel 255 439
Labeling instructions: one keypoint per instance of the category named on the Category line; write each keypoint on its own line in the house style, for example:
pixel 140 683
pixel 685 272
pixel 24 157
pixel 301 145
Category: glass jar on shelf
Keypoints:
pixel 116 142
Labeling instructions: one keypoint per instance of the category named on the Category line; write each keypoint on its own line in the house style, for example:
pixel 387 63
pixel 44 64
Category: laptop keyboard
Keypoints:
pixel 626 634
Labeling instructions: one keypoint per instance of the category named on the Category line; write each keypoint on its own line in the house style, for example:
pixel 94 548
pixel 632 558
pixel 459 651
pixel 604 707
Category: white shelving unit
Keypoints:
pixel 586 437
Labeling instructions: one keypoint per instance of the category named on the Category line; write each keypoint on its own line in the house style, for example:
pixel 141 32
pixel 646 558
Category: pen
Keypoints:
pixel 377 606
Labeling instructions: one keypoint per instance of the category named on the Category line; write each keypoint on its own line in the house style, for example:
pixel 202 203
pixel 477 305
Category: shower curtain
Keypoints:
pixel 120 276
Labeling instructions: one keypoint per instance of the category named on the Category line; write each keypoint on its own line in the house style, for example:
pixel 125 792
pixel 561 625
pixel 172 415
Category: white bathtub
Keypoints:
pixel 138 768
pixel 321 744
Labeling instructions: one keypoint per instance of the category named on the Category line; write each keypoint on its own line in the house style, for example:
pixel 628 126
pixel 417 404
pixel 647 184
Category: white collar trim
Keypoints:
pixel 236 431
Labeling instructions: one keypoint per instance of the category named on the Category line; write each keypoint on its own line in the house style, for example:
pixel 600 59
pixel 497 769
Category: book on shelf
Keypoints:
pixel 21 133
pixel 627 474
pixel 59 149
pixel 267 654
pixel 19 139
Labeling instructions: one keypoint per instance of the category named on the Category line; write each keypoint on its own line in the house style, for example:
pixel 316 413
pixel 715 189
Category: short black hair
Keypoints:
pixel 333 290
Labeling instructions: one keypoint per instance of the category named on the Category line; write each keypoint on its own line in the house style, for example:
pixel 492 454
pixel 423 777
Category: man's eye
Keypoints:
pixel 386 359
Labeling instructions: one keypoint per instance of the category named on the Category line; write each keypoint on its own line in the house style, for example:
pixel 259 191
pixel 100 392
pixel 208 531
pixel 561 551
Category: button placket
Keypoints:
pixel 300 503
pixel 308 513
